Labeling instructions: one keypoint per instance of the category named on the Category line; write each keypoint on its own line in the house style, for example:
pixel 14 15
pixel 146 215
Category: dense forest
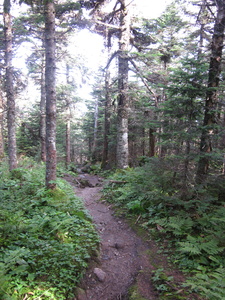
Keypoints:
pixel 153 124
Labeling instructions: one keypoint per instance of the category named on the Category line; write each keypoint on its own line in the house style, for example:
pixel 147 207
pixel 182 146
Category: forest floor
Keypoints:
pixel 125 266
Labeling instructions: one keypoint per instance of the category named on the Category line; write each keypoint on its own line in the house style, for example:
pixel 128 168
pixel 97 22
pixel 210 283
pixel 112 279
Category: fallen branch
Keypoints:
pixel 138 219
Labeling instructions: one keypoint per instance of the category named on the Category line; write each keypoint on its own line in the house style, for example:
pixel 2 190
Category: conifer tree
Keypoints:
pixel 50 70
pixel 43 109
pixel 122 153
pixel 105 155
pixel 211 101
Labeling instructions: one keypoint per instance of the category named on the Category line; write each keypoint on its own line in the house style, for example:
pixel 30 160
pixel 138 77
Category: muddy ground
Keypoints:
pixel 126 263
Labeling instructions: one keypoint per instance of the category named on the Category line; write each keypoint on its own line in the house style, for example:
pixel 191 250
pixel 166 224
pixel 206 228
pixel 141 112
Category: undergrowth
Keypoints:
pixel 46 237
pixel 191 220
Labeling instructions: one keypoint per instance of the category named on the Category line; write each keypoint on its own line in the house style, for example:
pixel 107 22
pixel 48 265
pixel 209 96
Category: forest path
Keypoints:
pixel 126 261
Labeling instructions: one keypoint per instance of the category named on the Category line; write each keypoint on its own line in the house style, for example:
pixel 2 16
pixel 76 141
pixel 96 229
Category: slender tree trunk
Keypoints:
pixel 68 142
pixel 50 94
pixel 212 93
pixel 11 109
pixel 222 142
pixel 107 112
pixel 143 141
pixel 105 155
pixel 90 142
pixel 43 113
pixel 94 145
pixel 1 126
pixel 151 142
pixel 122 116
pixel 186 161
pixel 68 122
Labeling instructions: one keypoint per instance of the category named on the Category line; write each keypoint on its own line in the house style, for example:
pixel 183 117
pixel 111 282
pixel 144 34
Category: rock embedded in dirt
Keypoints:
pixel 81 294
pixel 86 180
pixel 119 245
pixel 100 274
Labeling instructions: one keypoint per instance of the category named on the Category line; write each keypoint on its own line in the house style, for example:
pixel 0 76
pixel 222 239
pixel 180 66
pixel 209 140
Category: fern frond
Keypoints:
pixel 189 247
pixel 211 285
pixel 178 225
pixel 211 247
pixel 200 245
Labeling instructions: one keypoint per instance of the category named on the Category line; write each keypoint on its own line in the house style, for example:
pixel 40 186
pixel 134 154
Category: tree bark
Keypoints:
pixel 43 112
pixel 212 93
pixel 68 142
pixel 151 142
pixel 1 126
pixel 122 115
pixel 50 94
pixel 11 109
pixel 105 155
pixel 94 145
pixel 68 122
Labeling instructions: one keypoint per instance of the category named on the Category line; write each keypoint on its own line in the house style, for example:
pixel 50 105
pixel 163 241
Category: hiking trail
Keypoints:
pixel 126 262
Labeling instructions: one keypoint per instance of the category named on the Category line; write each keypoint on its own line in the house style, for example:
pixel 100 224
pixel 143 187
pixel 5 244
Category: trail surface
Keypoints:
pixel 126 262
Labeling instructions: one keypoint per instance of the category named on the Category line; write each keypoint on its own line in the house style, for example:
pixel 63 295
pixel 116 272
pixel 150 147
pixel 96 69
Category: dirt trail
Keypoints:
pixel 122 256
pixel 125 259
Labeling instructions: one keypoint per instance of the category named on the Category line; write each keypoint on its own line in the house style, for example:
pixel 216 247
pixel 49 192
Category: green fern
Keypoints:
pixel 178 225
pixel 200 245
pixel 135 206
pixel 210 285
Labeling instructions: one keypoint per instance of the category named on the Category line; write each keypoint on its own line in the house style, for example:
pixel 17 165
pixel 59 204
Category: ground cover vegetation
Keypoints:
pixel 191 226
pixel 46 237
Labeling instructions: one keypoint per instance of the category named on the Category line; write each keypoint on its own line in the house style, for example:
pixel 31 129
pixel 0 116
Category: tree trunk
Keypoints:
pixel 151 142
pixel 50 94
pixel 68 122
pixel 122 115
pixel 143 141
pixel 68 143
pixel 11 109
pixel 105 155
pixel 43 113
pixel 94 145
pixel 1 127
pixel 212 93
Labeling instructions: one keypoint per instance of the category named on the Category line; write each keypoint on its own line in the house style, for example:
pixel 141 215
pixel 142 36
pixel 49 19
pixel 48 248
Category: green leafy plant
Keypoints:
pixel 192 226
pixel 199 245
pixel 211 285
pixel 46 237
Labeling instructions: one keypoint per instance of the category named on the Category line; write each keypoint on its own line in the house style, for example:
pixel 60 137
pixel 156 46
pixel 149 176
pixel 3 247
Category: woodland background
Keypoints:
pixel 156 122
